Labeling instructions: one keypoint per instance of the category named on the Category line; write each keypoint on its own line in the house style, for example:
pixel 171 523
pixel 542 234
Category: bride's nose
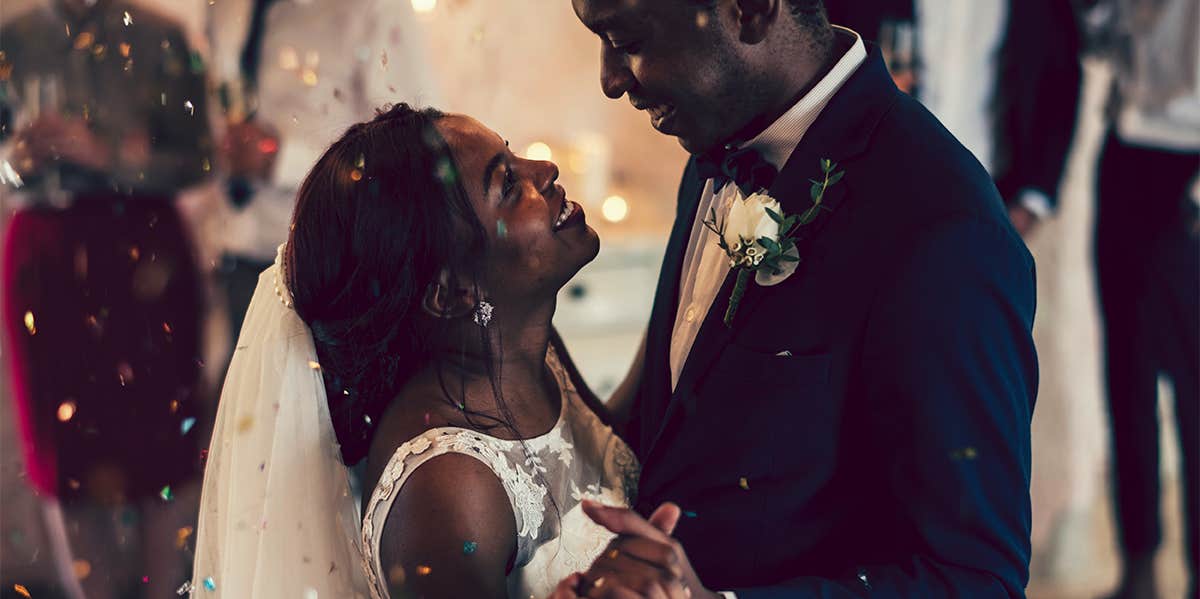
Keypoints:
pixel 547 175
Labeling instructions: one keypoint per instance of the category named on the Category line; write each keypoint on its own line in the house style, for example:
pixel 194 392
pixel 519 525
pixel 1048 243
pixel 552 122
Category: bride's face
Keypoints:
pixel 538 239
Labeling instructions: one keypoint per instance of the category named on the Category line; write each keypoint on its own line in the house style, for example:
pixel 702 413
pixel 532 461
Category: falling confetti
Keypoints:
pixel 186 425
pixel 82 568
pixel 189 107
pixel 744 484
pixel 310 593
pixel 182 535
pixel 21 590
pixel 424 570
pixel 245 423
pixel 501 229
pixel 66 411
pixel 314 365
pixel 862 577
pixel 356 175
pixel 689 514
pixel 966 453
pixel 29 323
pixel 166 328
pixel 145 580
pixel 184 589
pixel 210 584
pixel 128 20
pixel 361 162
pixel 396 576
pixel 469 547
pixel 166 493
pixel 125 48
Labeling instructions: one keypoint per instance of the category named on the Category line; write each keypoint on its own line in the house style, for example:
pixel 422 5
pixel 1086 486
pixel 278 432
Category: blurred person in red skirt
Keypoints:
pixel 102 301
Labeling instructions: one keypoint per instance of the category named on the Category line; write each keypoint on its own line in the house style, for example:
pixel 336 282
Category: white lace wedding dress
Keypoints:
pixel 545 478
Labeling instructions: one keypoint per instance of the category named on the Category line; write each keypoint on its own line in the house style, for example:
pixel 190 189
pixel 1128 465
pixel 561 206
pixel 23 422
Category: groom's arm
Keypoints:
pixel 951 376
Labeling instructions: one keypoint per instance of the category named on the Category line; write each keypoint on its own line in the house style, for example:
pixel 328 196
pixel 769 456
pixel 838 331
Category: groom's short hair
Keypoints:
pixel 809 13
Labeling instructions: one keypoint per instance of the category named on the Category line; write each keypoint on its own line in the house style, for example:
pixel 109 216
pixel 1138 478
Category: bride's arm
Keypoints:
pixel 450 533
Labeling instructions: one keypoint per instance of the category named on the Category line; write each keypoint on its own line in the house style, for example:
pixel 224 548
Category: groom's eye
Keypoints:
pixel 510 182
pixel 629 49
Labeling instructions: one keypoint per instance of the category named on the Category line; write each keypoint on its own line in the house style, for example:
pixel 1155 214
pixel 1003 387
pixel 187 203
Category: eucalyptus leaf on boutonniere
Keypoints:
pixel 759 238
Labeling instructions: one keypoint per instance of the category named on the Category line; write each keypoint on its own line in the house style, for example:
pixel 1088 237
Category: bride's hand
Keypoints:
pixel 644 560
pixel 566 588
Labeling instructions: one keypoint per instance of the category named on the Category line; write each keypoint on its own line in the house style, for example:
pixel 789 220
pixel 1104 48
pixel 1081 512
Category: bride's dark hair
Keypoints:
pixel 377 219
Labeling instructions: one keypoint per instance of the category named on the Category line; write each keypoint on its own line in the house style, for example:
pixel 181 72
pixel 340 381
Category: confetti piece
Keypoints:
pixel 174 406
pixel 469 547
pixel 689 514
pixel 210 584
pixel 966 453
pixel 313 365
pixel 186 425
pixel 145 580
pixel 245 423
pixel 310 593
pixel 424 570
pixel 66 411
pixel 182 535
pixel 21 590
pixel 73 484
pixel 356 175
pixel 501 229
pixel 383 59
pixel 187 105
pixel 166 328
pixel 135 253
pixel 309 77
pixel 744 484
pixel 361 162
pixel 268 146
pixel 128 20
pixel 30 325
pixel 184 589
pixel 82 568
pixel 396 576
pixel 166 493
pixel 206 166
pixel 125 48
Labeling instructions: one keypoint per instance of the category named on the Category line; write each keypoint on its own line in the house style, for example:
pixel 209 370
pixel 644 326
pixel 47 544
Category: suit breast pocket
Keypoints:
pixel 772 413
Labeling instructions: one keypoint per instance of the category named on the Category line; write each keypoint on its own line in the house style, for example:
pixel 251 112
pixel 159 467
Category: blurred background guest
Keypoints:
pixel 102 301
pixel 1148 268
pixel 1002 75
pixel 292 77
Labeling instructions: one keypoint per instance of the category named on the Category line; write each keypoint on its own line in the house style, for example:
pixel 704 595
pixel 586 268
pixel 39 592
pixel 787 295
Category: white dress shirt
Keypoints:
pixel 705 264
pixel 325 65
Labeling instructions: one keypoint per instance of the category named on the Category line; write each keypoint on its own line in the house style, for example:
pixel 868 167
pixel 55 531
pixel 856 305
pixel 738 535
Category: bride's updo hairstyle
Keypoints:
pixel 377 219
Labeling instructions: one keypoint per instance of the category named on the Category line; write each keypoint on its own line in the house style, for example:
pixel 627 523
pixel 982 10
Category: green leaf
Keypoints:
pixel 826 165
pixel 775 216
pixel 770 244
pixel 833 179
pixel 818 189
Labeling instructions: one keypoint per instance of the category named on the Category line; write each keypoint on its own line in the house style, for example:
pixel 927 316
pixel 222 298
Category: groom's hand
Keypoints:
pixel 644 560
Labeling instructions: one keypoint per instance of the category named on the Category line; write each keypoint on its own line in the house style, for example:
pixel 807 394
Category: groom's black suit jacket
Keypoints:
pixel 888 454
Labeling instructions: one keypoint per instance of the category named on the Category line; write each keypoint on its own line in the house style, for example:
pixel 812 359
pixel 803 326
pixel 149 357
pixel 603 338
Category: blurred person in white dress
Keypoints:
pixel 292 75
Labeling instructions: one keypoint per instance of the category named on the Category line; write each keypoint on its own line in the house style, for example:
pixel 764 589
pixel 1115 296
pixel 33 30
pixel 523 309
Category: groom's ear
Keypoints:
pixel 755 18
pixel 448 298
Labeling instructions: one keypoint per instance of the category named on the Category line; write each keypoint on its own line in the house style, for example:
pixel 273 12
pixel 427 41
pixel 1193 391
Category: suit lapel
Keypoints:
pixel 841 132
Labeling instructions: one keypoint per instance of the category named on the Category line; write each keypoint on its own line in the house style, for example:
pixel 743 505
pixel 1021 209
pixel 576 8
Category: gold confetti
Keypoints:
pixel 181 536
pixel 125 48
pixel 29 324
pixel 135 253
pixel 356 175
pixel 66 411
pixel 84 40
pixel 396 575
pixel 83 568
pixel 313 365
pixel 174 405
pixel 744 484
pixel 309 77
pixel 21 590
pixel 424 570
pixel 245 423
pixel 206 165
pixel 128 20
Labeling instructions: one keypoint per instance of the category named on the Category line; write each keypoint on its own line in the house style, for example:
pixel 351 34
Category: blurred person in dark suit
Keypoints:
pixel 1002 75
pixel 1148 266
pixel 102 302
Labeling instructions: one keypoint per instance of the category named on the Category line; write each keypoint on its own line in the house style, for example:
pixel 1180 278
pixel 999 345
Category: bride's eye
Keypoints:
pixel 510 181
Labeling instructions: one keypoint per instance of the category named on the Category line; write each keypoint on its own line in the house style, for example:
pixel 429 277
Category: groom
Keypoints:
pixel 860 428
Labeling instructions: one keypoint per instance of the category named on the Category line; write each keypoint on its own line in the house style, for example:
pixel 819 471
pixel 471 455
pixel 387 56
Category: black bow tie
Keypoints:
pixel 745 167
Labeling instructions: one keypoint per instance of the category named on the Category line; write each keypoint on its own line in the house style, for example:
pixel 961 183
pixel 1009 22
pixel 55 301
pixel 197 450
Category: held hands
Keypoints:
pixel 52 139
pixel 643 561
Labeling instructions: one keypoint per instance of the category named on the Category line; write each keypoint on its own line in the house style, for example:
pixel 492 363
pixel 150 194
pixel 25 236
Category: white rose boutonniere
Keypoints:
pixel 759 238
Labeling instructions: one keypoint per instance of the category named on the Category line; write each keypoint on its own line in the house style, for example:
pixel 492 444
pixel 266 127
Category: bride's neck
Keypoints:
pixel 516 347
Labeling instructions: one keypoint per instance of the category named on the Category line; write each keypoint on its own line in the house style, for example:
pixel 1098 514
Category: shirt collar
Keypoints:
pixel 777 141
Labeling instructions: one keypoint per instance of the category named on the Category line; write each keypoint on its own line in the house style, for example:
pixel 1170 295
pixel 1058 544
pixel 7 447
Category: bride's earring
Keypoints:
pixel 483 313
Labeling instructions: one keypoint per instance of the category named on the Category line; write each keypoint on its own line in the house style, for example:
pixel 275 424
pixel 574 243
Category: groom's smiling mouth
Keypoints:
pixel 660 115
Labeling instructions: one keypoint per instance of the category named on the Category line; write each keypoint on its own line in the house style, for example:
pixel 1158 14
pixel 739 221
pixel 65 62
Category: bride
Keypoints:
pixel 407 321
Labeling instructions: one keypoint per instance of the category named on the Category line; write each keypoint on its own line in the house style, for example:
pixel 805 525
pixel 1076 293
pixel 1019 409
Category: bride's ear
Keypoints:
pixel 449 299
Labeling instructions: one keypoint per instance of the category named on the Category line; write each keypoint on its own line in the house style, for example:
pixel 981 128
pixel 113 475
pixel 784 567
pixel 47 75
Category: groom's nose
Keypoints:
pixel 615 76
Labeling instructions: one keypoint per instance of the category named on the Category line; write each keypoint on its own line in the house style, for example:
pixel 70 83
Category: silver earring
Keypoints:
pixel 483 313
